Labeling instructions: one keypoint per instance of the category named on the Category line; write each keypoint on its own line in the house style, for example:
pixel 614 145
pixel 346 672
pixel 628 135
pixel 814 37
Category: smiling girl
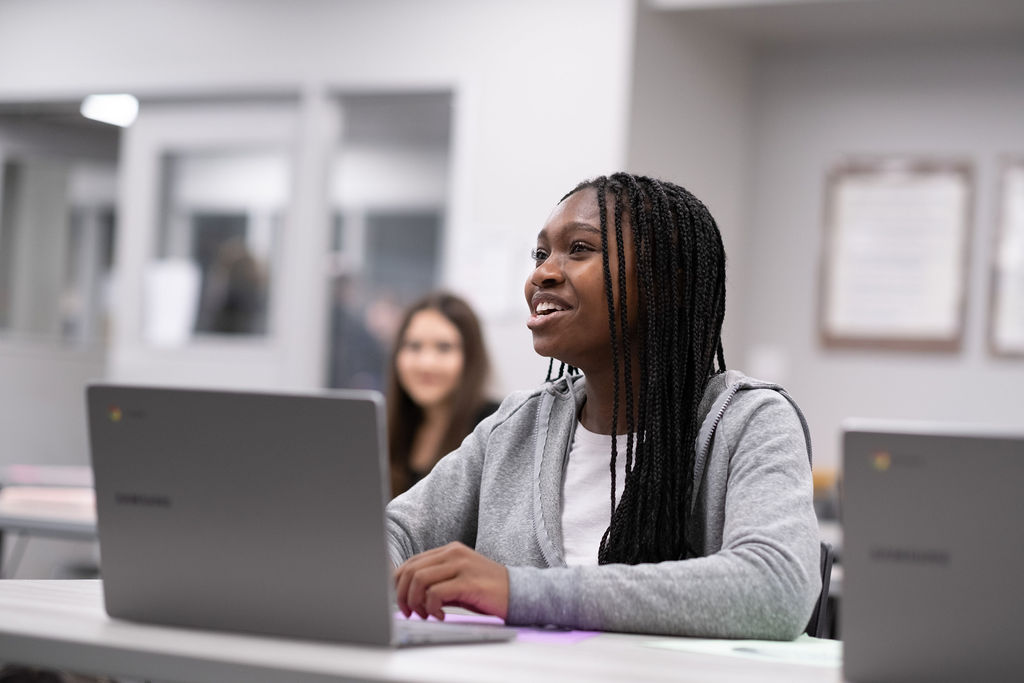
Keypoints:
pixel 656 492
pixel 436 386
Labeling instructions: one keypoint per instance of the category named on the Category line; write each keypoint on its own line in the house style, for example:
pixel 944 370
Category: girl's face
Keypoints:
pixel 430 359
pixel 566 291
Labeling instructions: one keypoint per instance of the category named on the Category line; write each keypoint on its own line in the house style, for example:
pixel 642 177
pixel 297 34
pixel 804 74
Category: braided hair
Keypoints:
pixel 678 340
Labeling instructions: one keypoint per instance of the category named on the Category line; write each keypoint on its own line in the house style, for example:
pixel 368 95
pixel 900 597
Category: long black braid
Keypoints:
pixel 680 272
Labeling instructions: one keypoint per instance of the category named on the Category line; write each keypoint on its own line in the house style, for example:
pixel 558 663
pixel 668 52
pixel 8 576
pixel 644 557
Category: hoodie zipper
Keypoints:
pixel 698 475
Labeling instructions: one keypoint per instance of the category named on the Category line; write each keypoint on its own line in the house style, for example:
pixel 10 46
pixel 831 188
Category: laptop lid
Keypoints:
pixel 932 555
pixel 243 511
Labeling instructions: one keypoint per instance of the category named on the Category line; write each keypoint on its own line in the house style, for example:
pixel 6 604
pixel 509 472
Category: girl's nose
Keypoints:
pixel 548 272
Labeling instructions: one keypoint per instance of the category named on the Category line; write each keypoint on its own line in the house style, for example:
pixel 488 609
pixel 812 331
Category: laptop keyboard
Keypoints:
pixel 417 632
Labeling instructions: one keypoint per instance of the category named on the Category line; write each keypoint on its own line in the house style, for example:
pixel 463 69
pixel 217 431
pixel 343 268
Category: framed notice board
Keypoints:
pixel 895 254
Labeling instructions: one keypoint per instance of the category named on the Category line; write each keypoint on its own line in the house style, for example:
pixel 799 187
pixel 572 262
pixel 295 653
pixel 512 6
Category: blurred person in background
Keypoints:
pixel 436 393
pixel 234 299
pixel 357 357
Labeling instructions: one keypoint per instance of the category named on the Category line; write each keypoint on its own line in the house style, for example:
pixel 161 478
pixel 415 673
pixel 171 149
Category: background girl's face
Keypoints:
pixel 430 358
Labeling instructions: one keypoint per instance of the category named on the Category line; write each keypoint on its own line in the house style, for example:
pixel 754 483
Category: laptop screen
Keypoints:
pixel 259 512
pixel 932 553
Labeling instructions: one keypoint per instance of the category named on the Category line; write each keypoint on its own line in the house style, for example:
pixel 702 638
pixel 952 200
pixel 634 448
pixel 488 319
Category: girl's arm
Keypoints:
pixel 762 583
pixel 441 507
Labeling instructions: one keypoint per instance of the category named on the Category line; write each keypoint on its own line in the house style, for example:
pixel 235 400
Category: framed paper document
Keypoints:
pixel 1006 322
pixel 895 259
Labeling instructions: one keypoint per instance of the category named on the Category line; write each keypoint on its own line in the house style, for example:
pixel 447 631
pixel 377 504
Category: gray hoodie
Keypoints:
pixel 757 572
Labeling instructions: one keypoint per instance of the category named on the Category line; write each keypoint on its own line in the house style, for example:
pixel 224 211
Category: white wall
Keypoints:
pixel 540 102
pixel 749 105
pixel 42 402
pixel 690 123
pixel 812 107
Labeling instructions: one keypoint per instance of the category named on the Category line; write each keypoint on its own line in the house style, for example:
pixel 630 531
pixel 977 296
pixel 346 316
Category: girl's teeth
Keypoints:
pixel 547 308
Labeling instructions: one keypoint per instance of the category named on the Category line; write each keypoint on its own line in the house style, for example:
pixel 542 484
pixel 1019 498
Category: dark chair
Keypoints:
pixel 818 626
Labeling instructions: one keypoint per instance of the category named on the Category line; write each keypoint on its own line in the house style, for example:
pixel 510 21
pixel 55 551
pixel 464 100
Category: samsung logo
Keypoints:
pixel 911 556
pixel 142 500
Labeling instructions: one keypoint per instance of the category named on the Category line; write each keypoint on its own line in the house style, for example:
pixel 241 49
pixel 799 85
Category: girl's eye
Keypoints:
pixel 538 255
pixel 578 247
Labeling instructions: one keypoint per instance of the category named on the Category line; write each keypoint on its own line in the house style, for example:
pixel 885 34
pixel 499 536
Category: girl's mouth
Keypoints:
pixel 545 317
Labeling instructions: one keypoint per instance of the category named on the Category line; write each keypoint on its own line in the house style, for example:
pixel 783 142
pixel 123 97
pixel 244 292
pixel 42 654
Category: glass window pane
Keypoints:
pixel 402 251
pixel 221 219
pixel 388 192
pixel 57 226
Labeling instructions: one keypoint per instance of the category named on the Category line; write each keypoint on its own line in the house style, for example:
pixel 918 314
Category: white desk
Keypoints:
pixel 48 500
pixel 67 512
pixel 62 624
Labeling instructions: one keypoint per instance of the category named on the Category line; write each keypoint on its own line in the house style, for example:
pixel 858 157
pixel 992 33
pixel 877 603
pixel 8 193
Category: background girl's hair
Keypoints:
pixel 675 240
pixel 405 416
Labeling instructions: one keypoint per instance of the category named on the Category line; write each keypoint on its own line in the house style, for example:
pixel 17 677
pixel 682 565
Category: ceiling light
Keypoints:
pixel 119 110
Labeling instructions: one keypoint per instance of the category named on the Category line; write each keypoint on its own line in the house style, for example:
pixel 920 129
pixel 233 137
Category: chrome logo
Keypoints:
pixel 114 413
pixel 881 461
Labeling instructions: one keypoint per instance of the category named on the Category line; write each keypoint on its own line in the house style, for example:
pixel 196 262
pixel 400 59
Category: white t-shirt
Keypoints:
pixel 586 493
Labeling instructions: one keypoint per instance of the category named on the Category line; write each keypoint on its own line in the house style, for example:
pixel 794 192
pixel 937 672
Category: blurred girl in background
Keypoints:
pixel 435 394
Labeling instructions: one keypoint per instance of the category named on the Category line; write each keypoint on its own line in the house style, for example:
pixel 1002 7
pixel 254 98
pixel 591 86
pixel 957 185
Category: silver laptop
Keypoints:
pixel 255 512
pixel 933 553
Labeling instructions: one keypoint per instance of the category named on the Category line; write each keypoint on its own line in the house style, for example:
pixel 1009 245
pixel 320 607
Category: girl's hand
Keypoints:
pixel 451 575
